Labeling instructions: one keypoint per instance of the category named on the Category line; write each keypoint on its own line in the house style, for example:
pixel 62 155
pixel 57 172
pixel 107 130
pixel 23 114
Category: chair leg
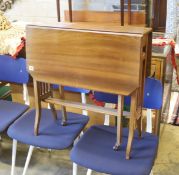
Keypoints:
pixel 81 134
pixel 76 140
pixel 83 100
pixel 139 126
pixel 75 169
pixel 50 150
pixel 149 121
pixel 106 120
pixel 14 150
pixel 28 159
pixel 151 173
pixel 26 94
pixel 107 117
pixel 89 172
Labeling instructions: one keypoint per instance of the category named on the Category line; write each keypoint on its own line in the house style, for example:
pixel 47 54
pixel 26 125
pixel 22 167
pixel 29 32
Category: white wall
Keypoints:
pixel 34 10
pixel 172 16
pixel 171 22
pixel 42 10
pixel 45 10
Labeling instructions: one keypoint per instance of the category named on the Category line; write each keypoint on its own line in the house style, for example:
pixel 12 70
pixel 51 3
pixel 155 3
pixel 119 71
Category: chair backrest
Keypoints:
pixel 111 98
pixel 13 71
pixel 106 97
pixel 72 89
pixel 153 94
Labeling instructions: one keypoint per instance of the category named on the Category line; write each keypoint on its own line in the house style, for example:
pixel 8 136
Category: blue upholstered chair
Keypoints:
pixel 52 135
pixel 153 95
pixel 12 71
pixel 94 149
pixel 153 99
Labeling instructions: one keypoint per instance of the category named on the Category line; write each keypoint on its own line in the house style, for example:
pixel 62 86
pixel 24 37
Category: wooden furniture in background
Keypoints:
pixel 123 17
pixel 129 12
pixel 122 12
pixel 90 56
pixel 159 15
pixel 162 70
pixel 69 10
pixel 157 68
pixel 138 19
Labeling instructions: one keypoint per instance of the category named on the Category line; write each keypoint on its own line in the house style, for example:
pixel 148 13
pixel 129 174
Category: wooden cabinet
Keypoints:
pixel 159 15
pixel 157 66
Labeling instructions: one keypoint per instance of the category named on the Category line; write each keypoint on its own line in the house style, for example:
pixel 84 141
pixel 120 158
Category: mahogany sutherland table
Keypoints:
pixel 96 56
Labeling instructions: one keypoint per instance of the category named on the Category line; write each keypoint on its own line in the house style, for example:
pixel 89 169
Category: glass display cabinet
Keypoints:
pixel 124 12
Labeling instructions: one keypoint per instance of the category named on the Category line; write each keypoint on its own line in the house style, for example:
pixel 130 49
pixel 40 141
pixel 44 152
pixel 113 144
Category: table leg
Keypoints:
pixel 52 106
pixel 131 123
pixel 119 122
pixel 139 122
pixel 54 112
pixel 37 106
pixel 63 108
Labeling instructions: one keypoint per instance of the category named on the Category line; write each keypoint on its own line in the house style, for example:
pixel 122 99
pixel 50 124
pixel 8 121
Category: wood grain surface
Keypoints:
pixel 104 60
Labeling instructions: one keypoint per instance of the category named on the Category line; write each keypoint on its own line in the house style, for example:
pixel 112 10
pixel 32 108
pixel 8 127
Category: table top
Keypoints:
pixel 86 56
pixel 94 26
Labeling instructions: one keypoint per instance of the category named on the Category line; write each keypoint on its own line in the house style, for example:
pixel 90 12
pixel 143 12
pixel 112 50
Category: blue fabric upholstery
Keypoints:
pixel 13 71
pixel 9 112
pixel 52 134
pixel 153 93
pixel 106 97
pixel 95 151
pixel 73 89
pixel 111 98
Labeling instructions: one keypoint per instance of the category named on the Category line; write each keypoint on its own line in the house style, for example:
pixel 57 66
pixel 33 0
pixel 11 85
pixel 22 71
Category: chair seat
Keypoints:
pixel 95 151
pixel 9 112
pixel 52 134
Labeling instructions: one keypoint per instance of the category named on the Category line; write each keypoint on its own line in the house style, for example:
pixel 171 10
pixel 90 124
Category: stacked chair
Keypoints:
pixel 52 134
pixel 100 157
pixel 12 71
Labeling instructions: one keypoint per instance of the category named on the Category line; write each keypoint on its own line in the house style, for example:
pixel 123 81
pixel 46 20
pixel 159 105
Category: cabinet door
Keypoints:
pixel 159 15
pixel 157 68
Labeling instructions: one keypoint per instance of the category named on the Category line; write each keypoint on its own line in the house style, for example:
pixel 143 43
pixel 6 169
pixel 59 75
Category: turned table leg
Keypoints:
pixel 131 123
pixel 37 106
pixel 63 108
pixel 119 122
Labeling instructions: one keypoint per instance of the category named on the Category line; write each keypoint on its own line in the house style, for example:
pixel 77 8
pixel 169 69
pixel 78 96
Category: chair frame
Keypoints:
pixel 44 88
